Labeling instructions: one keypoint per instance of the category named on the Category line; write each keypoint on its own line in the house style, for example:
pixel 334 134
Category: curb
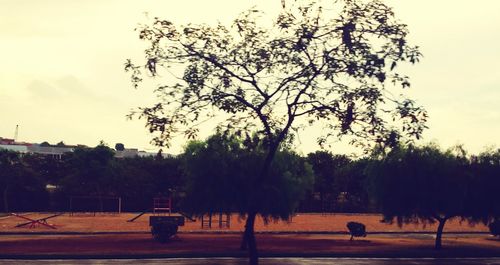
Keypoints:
pixel 244 254
pixel 215 232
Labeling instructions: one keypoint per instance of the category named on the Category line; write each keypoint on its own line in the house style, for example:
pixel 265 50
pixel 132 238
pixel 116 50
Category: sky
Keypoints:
pixel 62 77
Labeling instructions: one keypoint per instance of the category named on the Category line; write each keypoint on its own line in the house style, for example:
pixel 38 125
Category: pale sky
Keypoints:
pixel 62 78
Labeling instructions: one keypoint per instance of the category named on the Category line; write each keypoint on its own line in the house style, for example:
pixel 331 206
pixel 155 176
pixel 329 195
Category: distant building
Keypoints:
pixel 133 152
pixel 54 151
pixel 16 148
pixel 25 148
pixel 12 145
pixel 58 151
pixel 6 141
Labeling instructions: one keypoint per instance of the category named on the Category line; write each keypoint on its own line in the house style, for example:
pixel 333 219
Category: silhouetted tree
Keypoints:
pixel 22 189
pixel 10 166
pixel 139 179
pixel 353 185
pixel 483 203
pixel 327 169
pixel 421 184
pixel 119 147
pixel 220 171
pixel 45 144
pixel 305 67
pixel 91 172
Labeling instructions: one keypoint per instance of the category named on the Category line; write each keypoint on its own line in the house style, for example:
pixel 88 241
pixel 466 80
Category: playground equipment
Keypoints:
pixel 139 215
pixel 163 224
pixel 34 222
pixel 224 220
pixel 162 205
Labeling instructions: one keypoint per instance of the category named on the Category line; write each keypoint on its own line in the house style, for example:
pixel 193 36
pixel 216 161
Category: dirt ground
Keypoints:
pixel 133 239
pixel 197 245
pixel 299 223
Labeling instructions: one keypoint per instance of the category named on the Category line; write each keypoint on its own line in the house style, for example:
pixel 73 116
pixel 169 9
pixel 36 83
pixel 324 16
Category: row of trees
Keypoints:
pixel 408 184
pixel 427 185
pixel 33 182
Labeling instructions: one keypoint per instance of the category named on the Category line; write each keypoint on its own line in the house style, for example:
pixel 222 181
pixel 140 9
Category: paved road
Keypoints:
pixel 263 261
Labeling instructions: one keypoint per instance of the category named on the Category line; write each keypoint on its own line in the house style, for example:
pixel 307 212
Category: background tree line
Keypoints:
pixel 407 184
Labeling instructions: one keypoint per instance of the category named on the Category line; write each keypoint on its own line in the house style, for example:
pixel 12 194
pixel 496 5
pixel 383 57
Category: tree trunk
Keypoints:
pixel 5 202
pixel 249 239
pixel 101 204
pixel 439 233
pixel 244 240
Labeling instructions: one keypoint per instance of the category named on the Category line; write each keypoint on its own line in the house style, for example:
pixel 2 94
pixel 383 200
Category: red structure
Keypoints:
pixel 34 222
pixel 162 205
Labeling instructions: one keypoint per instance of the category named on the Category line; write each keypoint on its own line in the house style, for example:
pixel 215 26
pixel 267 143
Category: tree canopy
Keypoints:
pixel 422 184
pixel 483 203
pixel 307 66
pixel 220 171
pixel 20 188
pixel 273 78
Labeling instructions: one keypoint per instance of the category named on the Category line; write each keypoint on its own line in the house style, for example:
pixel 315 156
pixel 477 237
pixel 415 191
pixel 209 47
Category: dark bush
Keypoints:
pixel 495 228
pixel 356 229
pixel 162 232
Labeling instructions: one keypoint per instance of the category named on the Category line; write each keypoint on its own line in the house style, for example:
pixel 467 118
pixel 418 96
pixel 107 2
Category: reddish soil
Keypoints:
pixel 136 241
pixel 228 244
pixel 299 223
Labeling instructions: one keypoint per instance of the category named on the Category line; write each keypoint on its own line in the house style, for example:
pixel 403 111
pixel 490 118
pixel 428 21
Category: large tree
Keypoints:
pixel 422 185
pixel 327 62
pixel 221 170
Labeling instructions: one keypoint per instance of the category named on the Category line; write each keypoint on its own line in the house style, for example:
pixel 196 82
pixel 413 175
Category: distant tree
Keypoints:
pixel 48 168
pixel 10 166
pixel 45 144
pixel 90 172
pixel 139 179
pixel 303 68
pixel 483 204
pixel 353 184
pixel 22 189
pixel 327 168
pixel 421 185
pixel 119 147
pixel 61 144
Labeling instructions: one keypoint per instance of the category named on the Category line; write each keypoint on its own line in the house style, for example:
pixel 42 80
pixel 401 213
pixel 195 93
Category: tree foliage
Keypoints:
pixel 90 171
pixel 308 66
pixel 422 184
pixel 20 188
pixel 483 203
pixel 221 170
pixel 139 179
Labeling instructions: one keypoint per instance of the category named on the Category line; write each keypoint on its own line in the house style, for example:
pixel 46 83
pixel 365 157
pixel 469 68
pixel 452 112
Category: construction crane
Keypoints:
pixel 16 133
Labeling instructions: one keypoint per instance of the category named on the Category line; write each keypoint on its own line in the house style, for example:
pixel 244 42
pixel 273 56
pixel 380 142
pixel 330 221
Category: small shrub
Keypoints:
pixel 495 228
pixel 162 232
pixel 356 229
